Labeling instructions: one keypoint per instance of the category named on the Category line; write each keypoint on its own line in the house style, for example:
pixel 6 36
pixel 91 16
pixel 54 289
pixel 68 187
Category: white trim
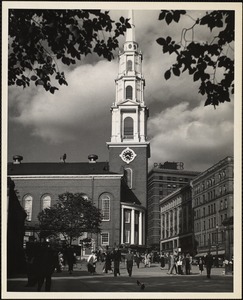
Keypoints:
pixel 75 177
pixel 131 144
pixel 135 206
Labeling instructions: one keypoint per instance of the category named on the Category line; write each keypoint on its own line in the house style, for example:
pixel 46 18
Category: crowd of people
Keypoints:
pixel 43 259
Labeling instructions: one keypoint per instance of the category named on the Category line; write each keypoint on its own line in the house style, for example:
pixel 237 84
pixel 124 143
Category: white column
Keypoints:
pixel 173 222
pixel 143 233
pixel 132 225
pixel 178 220
pixel 169 223
pixel 140 228
pixel 122 225
pixel 166 226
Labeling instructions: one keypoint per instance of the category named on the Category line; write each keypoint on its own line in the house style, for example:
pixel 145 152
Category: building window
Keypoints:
pixel 28 201
pixel 46 201
pixel 128 176
pixel 128 92
pixel 221 204
pixel 105 238
pixel 128 128
pixel 225 203
pixel 105 207
pixel 127 236
pixel 129 65
pixel 127 216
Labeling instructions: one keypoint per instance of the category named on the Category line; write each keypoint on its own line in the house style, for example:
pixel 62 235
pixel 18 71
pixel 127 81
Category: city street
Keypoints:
pixel 154 279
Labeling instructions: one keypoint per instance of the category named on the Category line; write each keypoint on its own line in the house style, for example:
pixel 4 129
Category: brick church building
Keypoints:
pixel 117 187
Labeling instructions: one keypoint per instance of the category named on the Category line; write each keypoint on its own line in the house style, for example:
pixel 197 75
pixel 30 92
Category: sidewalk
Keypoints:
pixel 155 280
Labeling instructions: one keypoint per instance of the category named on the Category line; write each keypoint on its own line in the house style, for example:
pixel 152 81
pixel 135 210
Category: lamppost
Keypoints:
pixel 217 246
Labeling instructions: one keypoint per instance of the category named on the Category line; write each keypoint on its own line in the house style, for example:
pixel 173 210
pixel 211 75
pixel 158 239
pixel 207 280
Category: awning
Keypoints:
pixel 201 254
pixel 220 252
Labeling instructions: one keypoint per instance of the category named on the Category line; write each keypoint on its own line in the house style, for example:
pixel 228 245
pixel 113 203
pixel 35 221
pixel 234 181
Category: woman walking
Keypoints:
pixel 162 260
pixel 200 265
pixel 137 259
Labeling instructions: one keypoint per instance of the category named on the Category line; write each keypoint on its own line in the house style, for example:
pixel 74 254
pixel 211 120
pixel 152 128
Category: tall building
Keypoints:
pixel 163 179
pixel 119 187
pixel 213 207
pixel 177 221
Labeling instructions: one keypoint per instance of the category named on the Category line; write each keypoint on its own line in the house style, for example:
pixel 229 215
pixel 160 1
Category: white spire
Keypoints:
pixel 130 34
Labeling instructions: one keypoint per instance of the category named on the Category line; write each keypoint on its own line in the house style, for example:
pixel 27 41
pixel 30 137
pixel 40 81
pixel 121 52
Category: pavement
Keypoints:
pixel 154 278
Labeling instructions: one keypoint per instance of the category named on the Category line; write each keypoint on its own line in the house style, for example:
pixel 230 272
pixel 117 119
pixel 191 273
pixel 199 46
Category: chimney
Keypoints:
pixel 17 159
pixel 92 158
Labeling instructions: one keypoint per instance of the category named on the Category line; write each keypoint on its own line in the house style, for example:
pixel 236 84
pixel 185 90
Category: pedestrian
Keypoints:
pixel 91 262
pixel 209 263
pixel 172 264
pixel 70 258
pixel 168 258
pixel 137 258
pixel 129 262
pixel 187 264
pixel 116 259
pixel 200 265
pixel 147 259
pixel 107 264
pixel 31 251
pixel 162 260
pixel 179 264
pixel 46 261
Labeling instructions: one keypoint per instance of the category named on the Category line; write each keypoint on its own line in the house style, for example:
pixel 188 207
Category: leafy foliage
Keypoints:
pixel 40 39
pixel 208 62
pixel 71 216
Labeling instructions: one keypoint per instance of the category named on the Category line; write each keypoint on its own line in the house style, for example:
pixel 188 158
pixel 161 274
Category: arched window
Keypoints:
pixel 128 128
pixel 128 176
pixel 46 201
pixel 129 65
pixel 128 92
pixel 105 206
pixel 28 201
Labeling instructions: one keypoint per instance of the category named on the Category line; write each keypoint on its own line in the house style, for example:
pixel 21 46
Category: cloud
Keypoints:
pixel 194 136
pixel 78 108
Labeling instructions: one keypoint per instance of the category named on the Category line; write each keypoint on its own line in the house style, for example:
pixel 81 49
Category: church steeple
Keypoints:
pixel 129 147
pixel 129 113
pixel 130 33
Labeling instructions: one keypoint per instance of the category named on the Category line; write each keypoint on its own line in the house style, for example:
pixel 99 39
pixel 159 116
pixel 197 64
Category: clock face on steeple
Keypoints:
pixel 128 155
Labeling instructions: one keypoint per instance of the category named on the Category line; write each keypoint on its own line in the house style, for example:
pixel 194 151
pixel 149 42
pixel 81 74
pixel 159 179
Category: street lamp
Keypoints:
pixel 217 246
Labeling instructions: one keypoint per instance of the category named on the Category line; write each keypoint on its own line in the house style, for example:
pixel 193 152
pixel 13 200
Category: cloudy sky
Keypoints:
pixel 76 120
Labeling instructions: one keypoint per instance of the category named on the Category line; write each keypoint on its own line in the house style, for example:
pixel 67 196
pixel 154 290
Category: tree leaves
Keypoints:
pixel 72 215
pixel 171 15
pixel 167 74
pixel 204 60
pixel 43 39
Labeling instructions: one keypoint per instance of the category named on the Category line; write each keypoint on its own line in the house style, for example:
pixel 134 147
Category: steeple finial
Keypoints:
pixel 130 35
